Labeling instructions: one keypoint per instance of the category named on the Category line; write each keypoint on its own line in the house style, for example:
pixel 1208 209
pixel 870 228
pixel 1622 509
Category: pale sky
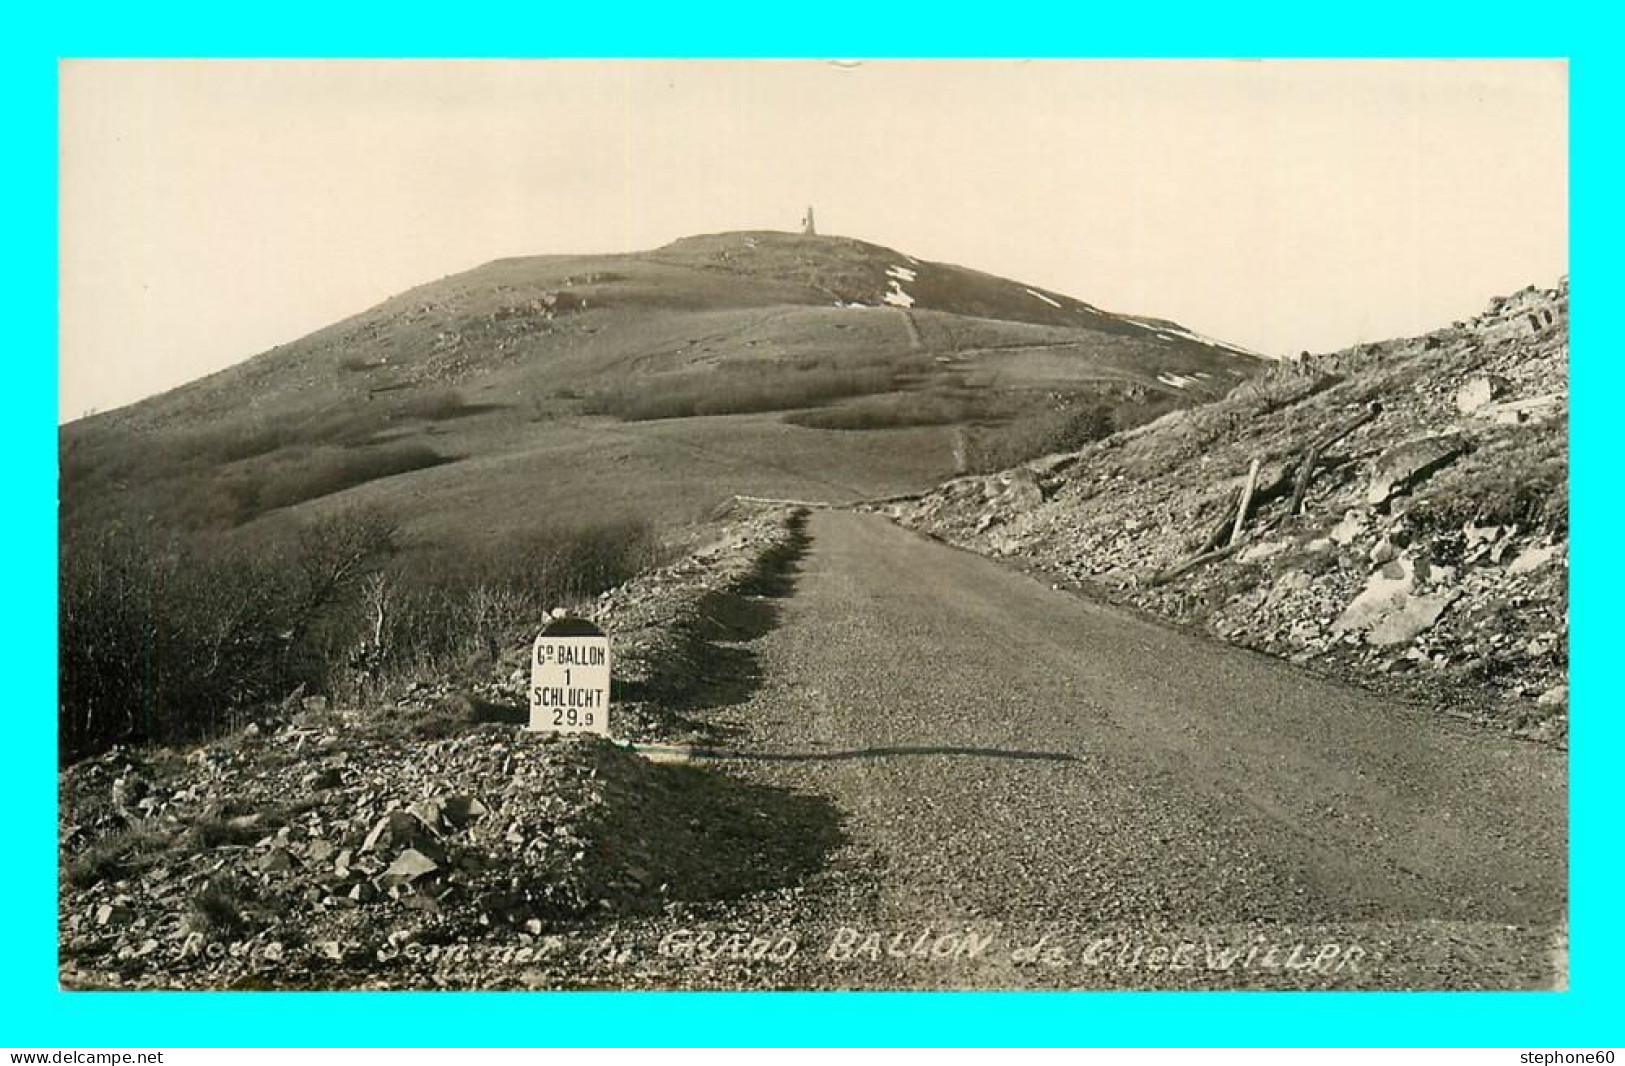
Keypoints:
pixel 211 210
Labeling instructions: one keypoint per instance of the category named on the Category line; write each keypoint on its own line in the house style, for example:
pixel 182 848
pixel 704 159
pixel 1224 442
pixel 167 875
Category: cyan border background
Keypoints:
pixel 37 1015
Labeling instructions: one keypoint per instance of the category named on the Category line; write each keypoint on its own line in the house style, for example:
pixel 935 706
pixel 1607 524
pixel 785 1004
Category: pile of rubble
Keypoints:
pixel 280 857
pixel 1423 550
pixel 312 848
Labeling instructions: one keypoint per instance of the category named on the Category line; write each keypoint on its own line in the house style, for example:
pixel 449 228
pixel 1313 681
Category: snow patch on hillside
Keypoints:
pixel 901 273
pixel 1041 296
pixel 1200 338
pixel 1169 331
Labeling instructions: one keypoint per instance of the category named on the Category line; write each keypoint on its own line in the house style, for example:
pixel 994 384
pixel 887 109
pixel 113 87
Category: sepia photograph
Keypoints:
pixel 840 524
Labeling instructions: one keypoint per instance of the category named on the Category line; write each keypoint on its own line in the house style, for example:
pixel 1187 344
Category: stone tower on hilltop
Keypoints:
pixel 807 228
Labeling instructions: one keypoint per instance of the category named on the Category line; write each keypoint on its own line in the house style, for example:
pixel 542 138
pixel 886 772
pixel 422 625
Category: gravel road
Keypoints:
pixel 1042 791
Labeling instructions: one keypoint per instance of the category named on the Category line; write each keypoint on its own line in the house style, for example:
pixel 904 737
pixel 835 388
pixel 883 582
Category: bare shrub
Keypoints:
pixel 323 472
pixel 233 443
pixel 1037 434
pixel 894 411
pixel 433 406
pixel 115 855
pixel 1229 418
pixel 229 473
pixel 444 612
pixel 161 637
pixel 739 391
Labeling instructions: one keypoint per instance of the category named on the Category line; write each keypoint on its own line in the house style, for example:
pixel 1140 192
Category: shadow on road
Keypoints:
pixel 710 664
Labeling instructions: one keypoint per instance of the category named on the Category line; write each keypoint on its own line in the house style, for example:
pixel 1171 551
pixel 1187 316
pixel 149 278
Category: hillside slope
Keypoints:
pixel 1428 555
pixel 694 303
pixel 650 386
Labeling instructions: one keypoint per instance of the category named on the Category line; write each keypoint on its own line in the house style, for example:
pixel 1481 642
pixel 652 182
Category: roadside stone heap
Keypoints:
pixel 286 857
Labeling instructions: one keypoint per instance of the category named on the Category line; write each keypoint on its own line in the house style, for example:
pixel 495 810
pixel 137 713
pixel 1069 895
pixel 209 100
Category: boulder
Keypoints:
pixel 1481 390
pixel 1349 529
pixel 1521 412
pixel 109 914
pixel 1411 617
pixel 276 861
pixel 448 813
pixel 1303 631
pixel 1390 610
pixel 320 780
pixel 1401 468
pixel 1287 585
pixel 393 828
pixel 1263 550
pixel 429 813
pixel 1021 489
pixel 409 866
pixel 1383 590
pixel 1532 558
pixel 459 811
pixel 1292 581
pixel 401 829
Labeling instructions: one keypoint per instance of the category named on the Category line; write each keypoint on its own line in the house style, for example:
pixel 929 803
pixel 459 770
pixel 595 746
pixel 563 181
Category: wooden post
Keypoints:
pixel 1221 528
pixel 1246 501
pixel 1311 458
pixel 1306 471
pixel 1190 564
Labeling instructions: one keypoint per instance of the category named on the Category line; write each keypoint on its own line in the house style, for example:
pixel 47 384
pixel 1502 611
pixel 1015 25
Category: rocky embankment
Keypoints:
pixel 1427 554
pixel 432 842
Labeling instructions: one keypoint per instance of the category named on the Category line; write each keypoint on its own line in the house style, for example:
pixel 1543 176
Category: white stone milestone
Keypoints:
pixel 569 679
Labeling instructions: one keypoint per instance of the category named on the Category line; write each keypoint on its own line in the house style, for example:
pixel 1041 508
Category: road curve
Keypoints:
pixel 1042 791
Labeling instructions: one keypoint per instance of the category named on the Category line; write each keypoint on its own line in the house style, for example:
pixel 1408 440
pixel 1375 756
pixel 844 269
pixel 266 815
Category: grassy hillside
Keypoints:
pixel 510 390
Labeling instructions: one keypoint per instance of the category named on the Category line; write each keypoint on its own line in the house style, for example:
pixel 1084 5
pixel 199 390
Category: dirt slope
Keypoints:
pixel 1430 554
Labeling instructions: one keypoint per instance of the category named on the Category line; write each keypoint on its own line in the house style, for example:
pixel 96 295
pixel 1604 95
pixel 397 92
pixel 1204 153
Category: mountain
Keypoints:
pixel 657 383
